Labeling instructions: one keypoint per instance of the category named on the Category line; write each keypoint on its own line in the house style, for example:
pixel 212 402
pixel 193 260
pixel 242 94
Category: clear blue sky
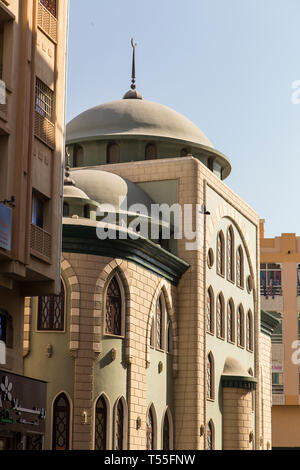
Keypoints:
pixel 227 65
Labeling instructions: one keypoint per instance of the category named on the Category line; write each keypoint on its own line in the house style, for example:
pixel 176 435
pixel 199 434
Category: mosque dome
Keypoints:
pixel 134 118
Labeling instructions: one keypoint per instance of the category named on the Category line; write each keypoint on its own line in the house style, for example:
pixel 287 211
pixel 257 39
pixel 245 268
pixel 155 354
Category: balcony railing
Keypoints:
pixel 44 130
pixel 270 291
pixel 40 242
pixel 47 22
pixel 277 389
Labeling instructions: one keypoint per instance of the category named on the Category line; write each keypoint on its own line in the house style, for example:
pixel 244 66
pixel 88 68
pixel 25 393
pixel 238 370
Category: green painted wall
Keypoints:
pixel 222 349
pixel 57 371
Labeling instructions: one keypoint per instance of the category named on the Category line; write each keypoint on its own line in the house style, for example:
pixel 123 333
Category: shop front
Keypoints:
pixel 22 412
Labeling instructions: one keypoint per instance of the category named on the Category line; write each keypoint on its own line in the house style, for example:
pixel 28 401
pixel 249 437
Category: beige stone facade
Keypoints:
pixel 33 38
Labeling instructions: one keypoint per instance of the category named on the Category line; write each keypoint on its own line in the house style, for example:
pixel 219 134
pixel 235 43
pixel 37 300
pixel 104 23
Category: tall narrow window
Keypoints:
pixel 240 327
pixel 6 328
pixel 151 152
pixel 51 311
pixel 210 377
pixel 249 331
pixel 66 210
pixel 50 5
pixel 210 436
pixel 220 317
pixel 166 432
pixel 113 153
pixel 210 311
pixel 230 254
pixel 100 424
pixel 61 423
pixel 119 426
pixel 113 308
pixel 77 155
pixel 44 100
pixel 86 211
pixel 38 210
pixel 220 254
pixel 150 430
pixel 240 267
pixel 159 322
pixel 230 321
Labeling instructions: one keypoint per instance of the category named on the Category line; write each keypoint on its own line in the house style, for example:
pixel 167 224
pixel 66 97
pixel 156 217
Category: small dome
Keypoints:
pixel 132 95
pixel 74 192
pixel 234 367
pixel 108 188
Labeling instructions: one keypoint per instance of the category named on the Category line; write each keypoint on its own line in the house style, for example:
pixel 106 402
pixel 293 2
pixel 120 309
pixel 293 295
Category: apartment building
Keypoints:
pixel 280 295
pixel 33 38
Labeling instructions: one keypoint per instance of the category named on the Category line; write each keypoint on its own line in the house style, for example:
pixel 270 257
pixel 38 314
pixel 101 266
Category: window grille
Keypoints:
pixel 113 308
pixel 100 424
pixel 61 423
pixel 51 6
pixel 150 430
pixel 44 100
pixel 51 311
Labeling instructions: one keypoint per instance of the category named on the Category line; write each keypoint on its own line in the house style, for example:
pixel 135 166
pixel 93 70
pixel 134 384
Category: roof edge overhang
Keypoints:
pixel 83 239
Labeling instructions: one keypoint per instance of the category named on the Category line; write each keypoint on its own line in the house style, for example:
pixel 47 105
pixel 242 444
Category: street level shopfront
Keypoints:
pixel 22 412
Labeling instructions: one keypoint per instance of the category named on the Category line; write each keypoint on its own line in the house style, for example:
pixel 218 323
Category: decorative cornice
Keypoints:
pixel 83 239
pixel 236 381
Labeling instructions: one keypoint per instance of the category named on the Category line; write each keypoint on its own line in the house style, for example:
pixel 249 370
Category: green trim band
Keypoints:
pixel 235 381
pixel 149 255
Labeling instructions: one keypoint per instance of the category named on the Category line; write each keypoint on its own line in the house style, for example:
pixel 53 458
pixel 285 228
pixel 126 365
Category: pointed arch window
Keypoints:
pixel 101 424
pixel 167 431
pixel 119 426
pixel 78 156
pixel 113 319
pixel 240 327
pixel 220 317
pixel 210 393
pixel 210 445
pixel 61 423
pixel 210 311
pixel 240 267
pixel 159 322
pixel 249 331
pixel 230 254
pixel 220 254
pixel 150 430
pixel 51 311
pixel 230 322
pixel 113 153
pixel 150 152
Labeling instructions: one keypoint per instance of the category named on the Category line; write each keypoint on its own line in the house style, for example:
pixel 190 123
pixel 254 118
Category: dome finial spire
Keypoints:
pixel 133 93
pixel 133 77
pixel 67 180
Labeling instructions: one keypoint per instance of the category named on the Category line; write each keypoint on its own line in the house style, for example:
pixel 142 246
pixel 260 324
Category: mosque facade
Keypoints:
pixel 157 340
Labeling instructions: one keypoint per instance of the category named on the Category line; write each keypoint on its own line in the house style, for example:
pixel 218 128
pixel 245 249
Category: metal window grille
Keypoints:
pixel 51 312
pixel 119 426
pixel 61 417
pixel 50 5
pixel 220 317
pixel 44 100
pixel 113 308
pixel 150 434
pixel 159 323
pixel 230 320
pixel 209 437
pixel 209 312
pixel 230 255
pixel 100 424
pixel 209 378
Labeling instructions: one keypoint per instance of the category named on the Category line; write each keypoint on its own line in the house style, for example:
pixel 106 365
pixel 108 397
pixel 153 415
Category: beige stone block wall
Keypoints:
pixel 265 392
pixel 237 419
